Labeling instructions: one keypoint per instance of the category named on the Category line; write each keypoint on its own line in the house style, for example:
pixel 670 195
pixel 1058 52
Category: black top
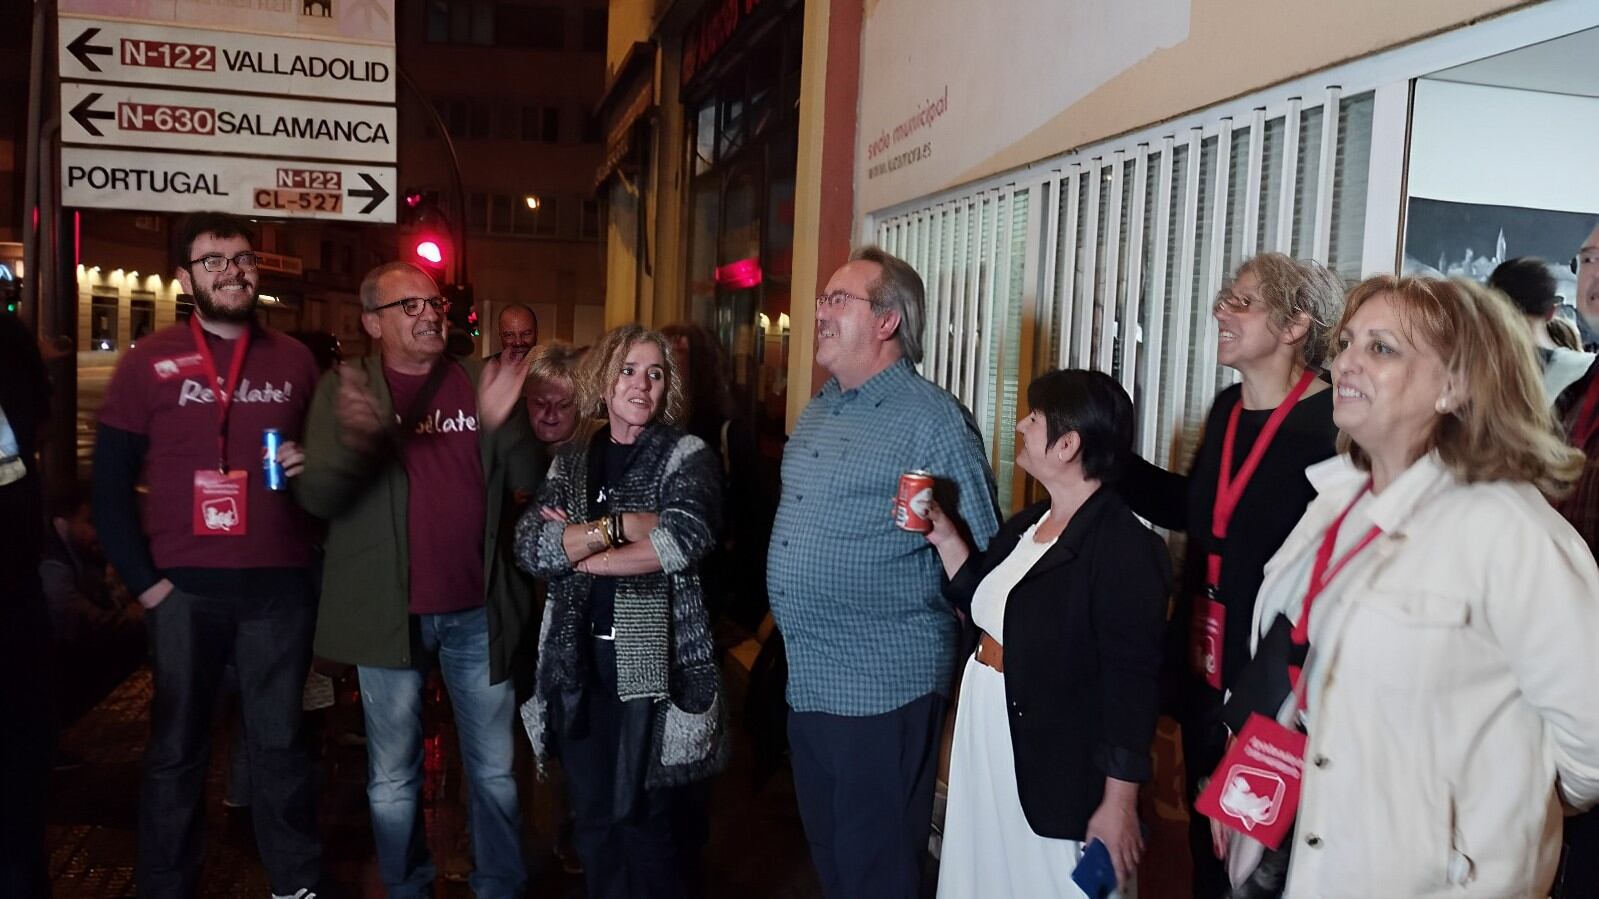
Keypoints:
pixel 1082 657
pixel 608 460
pixel 1271 505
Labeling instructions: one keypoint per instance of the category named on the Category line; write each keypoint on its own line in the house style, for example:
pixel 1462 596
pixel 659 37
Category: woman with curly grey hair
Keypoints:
pixel 1272 319
pixel 627 693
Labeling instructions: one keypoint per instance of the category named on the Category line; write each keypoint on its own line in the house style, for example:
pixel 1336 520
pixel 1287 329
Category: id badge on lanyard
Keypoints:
pixel 1255 790
pixel 1208 629
pixel 221 496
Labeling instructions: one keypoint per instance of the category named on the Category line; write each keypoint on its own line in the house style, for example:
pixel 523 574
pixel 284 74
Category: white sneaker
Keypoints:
pixel 297 894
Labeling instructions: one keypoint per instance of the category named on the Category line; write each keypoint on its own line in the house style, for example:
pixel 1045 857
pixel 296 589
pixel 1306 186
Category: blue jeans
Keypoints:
pixel 391 700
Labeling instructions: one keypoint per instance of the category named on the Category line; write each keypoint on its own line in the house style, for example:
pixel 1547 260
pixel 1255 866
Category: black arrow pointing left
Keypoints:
pixel 373 191
pixel 85 115
pixel 83 50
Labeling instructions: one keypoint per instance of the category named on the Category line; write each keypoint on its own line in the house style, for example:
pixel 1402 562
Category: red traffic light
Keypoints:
pixel 429 249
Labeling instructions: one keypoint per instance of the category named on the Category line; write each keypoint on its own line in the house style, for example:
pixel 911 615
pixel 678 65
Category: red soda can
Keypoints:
pixel 910 504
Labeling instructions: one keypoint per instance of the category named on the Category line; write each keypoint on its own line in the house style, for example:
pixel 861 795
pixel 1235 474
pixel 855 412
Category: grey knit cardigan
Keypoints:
pixel 664 650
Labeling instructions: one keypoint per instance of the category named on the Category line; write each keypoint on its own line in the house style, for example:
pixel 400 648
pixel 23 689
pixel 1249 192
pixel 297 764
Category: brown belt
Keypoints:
pixel 990 652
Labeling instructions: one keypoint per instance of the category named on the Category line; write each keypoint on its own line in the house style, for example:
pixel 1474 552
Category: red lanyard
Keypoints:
pixel 1230 487
pixel 1322 573
pixel 1588 419
pixel 224 394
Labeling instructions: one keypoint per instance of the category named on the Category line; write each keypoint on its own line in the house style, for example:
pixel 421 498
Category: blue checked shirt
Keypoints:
pixel 858 600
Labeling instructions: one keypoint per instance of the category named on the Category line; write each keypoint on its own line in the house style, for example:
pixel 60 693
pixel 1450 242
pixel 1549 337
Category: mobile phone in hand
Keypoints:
pixel 1094 874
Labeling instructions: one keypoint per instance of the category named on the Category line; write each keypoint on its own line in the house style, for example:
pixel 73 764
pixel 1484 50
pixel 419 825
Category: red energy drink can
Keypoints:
pixel 910 504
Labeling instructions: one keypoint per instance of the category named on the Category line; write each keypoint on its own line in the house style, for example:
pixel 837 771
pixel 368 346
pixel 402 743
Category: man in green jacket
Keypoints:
pixel 413 458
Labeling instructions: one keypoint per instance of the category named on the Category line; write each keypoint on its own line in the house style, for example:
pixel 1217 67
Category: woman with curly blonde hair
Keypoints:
pixel 1431 618
pixel 627 691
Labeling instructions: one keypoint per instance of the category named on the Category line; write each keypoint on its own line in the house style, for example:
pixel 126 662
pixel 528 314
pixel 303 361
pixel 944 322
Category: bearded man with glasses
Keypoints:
pixel 220 562
pixel 413 458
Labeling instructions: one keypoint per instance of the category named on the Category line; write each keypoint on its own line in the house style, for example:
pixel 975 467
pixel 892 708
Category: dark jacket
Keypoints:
pixel 1082 657
pixel 364 618
pixel 664 649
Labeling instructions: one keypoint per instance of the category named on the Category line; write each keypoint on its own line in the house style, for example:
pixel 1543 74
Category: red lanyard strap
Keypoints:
pixel 224 393
pixel 1229 486
pixel 1588 418
pixel 1322 573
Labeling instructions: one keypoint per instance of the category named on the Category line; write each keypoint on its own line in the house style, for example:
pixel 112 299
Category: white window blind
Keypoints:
pixel 1132 244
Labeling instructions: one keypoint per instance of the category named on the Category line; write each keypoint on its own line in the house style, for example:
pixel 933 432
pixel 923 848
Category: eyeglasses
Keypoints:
pixel 412 306
pixel 838 298
pixel 216 262
pixel 1232 301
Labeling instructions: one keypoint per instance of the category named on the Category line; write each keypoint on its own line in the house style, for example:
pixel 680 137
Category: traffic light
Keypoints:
pixel 425 234
pixel 431 252
pixel 463 312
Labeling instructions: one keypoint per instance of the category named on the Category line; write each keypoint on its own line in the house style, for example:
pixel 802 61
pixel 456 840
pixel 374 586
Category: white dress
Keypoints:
pixel 989 850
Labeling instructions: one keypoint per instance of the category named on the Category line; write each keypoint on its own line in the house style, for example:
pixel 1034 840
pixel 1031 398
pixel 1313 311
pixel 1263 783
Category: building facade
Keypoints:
pixel 1075 181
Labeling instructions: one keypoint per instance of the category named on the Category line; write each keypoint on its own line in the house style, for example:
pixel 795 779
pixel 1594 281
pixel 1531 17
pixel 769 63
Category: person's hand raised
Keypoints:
pixel 499 390
pixel 355 408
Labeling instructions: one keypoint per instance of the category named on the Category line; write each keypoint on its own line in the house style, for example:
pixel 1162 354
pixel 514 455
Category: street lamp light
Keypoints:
pixel 532 201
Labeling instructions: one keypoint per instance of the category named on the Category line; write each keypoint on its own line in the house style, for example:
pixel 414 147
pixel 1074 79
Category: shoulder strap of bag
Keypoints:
pixel 419 405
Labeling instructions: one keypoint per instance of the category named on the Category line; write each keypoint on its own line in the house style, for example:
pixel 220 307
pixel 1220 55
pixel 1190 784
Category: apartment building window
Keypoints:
pixel 530 27
pixel 591 223
pixel 558 216
pixel 595 25
pixel 468 22
pixel 541 124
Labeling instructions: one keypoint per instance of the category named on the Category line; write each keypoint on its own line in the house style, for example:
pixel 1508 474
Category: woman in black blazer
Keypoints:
pixel 1057 707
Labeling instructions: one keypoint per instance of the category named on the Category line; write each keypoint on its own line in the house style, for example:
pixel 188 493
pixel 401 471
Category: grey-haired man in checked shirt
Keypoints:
pixel 871 641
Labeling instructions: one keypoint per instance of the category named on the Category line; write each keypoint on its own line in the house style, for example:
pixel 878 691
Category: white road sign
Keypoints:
pixel 177 57
pixel 371 21
pixel 251 186
pixel 118 116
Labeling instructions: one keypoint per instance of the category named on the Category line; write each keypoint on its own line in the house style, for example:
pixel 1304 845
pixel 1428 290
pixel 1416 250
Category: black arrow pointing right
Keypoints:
pixel 85 116
pixel 374 192
pixel 83 50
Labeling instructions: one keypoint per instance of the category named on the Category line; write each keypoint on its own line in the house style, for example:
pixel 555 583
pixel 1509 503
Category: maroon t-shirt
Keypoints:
pixel 444 514
pixel 159 390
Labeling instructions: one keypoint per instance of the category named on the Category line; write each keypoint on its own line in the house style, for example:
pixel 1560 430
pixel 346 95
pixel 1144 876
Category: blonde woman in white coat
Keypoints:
pixel 1452 681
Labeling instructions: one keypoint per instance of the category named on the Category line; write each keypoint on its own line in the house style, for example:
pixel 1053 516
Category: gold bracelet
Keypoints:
pixel 595 538
pixel 605 531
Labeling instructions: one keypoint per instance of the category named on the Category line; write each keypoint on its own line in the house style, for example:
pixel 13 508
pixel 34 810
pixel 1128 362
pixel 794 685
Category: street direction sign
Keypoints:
pixel 257 107
pixel 122 116
pixel 371 21
pixel 172 56
pixel 244 185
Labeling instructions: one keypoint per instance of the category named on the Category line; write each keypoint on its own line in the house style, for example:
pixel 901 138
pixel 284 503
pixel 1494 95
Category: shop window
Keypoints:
pixel 730 128
pixel 530 27
pixel 184 308
pixel 595 24
pixel 103 308
pixel 705 137
pixel 141 316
